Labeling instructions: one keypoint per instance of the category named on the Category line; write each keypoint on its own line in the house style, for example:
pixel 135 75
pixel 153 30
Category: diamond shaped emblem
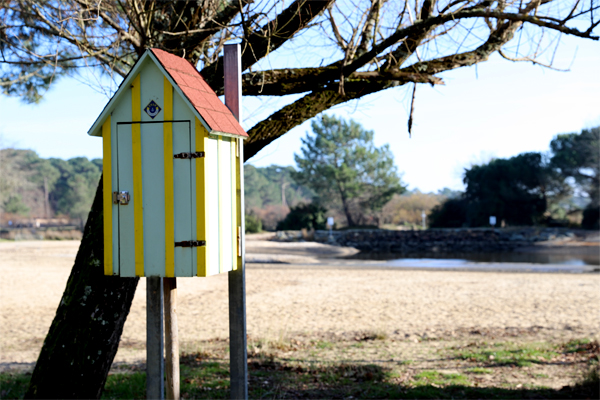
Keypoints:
pixel 152 109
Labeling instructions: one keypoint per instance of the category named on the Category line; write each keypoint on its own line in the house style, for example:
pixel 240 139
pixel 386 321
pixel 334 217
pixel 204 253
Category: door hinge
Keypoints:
pixel 191 243
pixel 239 241
pixel 198 154
pixel 121 198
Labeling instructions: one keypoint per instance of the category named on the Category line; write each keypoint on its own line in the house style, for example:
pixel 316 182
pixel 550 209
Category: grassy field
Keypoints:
pixel 371 365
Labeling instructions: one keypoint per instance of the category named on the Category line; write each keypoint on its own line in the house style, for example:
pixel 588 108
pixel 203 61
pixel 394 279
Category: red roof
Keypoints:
pixel 203 98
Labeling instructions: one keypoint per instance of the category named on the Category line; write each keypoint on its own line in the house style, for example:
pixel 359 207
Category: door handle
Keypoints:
pixel 121 198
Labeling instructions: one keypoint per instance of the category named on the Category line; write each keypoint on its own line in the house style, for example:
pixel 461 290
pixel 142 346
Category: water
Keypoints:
pixel 563 258
pixel 552 261
pixel 577 266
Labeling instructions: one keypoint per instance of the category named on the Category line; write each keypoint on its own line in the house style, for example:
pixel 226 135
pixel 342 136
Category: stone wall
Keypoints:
pixel 443 240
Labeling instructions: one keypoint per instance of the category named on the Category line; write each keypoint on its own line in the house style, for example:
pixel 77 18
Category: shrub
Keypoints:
pixel 309 216
pixel 591 218
pixel 450 214
pixel 406 209
pixel 270 215
pixel 253 224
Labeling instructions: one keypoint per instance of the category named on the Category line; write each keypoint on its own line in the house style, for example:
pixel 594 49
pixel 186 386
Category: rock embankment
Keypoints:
pixel 445 240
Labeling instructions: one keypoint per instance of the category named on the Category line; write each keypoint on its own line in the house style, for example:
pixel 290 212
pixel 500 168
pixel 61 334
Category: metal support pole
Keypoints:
pixel 237 279
pixel 171 338
pixel 155 369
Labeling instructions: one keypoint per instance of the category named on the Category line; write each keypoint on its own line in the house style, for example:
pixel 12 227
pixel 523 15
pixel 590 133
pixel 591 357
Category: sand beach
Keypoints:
pixel 301 289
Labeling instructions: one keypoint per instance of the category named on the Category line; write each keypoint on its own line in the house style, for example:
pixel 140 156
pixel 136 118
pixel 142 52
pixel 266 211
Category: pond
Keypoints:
pixel 449 259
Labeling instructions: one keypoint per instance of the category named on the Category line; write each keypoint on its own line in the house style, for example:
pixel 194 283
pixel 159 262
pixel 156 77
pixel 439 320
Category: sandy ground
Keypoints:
pixel 305 298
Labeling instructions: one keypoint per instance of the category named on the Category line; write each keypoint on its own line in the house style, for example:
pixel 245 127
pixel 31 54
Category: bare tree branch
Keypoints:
pixel 293 81
pixel 531 60
pixel 270 37
pixel 316 102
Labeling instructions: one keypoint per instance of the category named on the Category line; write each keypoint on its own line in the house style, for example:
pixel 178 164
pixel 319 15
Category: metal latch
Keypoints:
pixel 191 243
pixel 121 198
pixel 198 154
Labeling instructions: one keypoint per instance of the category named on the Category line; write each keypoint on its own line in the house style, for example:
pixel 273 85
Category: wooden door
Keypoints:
pixel 159 212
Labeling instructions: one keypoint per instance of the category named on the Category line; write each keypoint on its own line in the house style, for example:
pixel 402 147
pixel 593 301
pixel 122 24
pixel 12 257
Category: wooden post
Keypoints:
pixel 238 354
pixel 155 388
pixel 171 338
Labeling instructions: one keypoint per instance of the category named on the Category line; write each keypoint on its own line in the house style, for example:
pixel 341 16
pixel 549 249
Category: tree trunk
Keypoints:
pixel 85 333
pixel 351 222
pixel 345 205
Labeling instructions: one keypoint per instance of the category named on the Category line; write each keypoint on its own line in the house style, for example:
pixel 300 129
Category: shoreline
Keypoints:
pixel 473 240
pixel 563 254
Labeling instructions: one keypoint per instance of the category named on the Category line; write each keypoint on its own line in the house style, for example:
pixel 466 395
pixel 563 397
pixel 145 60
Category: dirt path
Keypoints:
pixel 284 300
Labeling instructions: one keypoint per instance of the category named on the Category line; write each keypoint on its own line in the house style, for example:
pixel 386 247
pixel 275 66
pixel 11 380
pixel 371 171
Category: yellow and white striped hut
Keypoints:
pixel 172 164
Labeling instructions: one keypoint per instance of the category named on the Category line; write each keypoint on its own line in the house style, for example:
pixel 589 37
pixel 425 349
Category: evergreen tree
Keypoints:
pixel 309 216
pixel 344 168
pixel 272 185
pixel 514 190
pixel 75 188
pixel 577 156
pixel 32 186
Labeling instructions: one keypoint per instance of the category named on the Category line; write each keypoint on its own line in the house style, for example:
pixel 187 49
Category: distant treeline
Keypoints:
pixel 558 188
pixel 35 187
pixel 270 192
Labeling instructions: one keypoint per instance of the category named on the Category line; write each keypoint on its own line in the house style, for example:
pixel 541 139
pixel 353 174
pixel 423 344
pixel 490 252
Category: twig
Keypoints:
pixel 412 110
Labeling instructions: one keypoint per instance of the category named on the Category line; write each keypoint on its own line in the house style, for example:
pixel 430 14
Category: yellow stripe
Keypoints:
pixel 233 206
pixel 222 210
pixel 201 212
pixel 238 199
pixel 107 198
pixel 138 210
pixel 169 200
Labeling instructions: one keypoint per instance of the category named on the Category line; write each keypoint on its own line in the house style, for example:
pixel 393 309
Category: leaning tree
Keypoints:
pixel 344 50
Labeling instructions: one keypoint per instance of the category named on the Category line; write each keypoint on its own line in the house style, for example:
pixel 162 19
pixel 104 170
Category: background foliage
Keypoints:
pixel 557 188
pixel 347 171
pixel 270 192
pixel 405 210
pixel 309 216
pixel 31 186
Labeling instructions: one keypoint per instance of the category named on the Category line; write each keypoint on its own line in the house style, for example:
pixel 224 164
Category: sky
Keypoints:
pixel 496 109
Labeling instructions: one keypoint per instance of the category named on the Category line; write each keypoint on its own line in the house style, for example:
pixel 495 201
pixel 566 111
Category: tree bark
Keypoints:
pixel 85 333
pixel 345 206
